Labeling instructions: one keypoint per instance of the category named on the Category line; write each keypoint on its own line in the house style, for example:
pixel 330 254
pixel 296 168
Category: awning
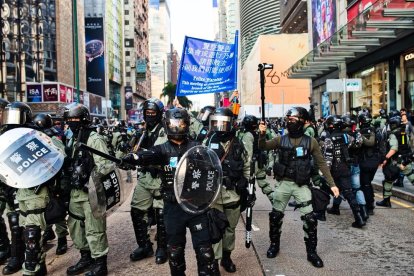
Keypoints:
pixel 382 25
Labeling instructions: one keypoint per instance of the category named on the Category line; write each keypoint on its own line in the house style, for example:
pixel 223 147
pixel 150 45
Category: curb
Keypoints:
pixel 395 192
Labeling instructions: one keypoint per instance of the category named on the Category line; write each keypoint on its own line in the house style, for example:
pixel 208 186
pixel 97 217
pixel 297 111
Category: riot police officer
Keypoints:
pixel 204 117
pixel 15 249
pixel 249 136
pixel 87 231
pixel 369 159
pixel 168 154
pixel 236 170
pixel 56 189
pixel 293 171
pixel 381 120
pixel 147 191
pixel 397 159
pixel 32 204
pixel 335 143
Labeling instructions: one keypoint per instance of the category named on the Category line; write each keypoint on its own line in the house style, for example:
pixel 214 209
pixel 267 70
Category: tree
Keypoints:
pixel 169 93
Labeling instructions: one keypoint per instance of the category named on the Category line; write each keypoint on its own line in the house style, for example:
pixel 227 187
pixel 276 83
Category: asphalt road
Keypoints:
pixel 384 247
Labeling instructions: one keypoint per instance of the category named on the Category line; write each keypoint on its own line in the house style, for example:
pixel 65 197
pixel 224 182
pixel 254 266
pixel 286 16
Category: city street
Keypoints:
pixel 384 247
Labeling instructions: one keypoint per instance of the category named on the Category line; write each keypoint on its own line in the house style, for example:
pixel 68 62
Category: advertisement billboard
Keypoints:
pixel 50 92
pixel 114 39
pixel 128 97
pixel 34 93
pixel 324 20
pixel 95 55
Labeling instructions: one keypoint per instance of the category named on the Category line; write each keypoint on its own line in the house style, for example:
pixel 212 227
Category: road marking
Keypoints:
pixel 395 201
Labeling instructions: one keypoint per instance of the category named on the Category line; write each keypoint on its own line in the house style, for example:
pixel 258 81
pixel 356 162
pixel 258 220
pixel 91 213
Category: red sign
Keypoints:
pixel 50 93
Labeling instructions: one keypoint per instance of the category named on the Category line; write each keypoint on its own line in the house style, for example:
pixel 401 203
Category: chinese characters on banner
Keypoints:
pixel 207 67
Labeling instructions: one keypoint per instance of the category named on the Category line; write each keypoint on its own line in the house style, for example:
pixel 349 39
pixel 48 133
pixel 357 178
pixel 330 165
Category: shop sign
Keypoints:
pixel 409 56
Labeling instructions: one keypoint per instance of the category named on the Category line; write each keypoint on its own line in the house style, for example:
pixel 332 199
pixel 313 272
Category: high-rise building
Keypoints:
pixel 137 73
pixel 257 18
pixel 160 45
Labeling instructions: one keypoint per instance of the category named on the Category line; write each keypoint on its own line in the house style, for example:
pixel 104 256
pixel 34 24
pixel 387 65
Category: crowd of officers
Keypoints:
pixel 309 160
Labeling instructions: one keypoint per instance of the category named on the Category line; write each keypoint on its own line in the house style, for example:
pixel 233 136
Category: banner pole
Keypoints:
pixel 181 67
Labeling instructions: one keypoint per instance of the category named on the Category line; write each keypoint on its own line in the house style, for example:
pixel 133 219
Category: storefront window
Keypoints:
pixel 409 81
pixel 374 88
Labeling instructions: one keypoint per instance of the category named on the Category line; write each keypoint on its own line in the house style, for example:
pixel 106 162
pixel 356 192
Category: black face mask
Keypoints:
pixel 151 121
pixel 224 136
pixel 75 127
pixel 295 129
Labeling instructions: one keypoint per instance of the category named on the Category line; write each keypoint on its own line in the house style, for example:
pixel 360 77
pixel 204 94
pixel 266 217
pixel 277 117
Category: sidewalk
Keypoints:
pixel 406 192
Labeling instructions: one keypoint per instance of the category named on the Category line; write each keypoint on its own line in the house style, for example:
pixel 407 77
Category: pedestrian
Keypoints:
pixel 293 172
pixel 168 154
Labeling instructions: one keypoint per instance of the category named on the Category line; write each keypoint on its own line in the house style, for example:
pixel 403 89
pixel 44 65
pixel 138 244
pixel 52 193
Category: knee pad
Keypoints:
pixel 32 235
pixel 159 214
pixel 13 219
pixel 176 255
pixel 310 223
pixel 205 254
pixel 275 215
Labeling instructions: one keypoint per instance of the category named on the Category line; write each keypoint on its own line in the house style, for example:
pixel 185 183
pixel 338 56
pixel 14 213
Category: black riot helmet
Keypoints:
pixel 348 121
pixel 334 122
pixel 364 119
pixel 17 113
pixel 204 114
pixel 77 117
pixel 295 121
pixel 383 113
pixel 3 104
pixel 176 123
pixel 250 123
pixel 43 120
pixel 394 113
pixel 394 122
pixel 221 121
pixel 155 105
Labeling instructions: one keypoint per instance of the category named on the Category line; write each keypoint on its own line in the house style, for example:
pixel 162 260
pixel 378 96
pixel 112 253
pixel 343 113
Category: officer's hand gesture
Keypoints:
pixel 262 128
pixel 335 191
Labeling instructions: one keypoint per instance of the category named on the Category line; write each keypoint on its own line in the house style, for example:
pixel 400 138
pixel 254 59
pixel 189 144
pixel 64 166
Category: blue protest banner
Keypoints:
pixel 207 67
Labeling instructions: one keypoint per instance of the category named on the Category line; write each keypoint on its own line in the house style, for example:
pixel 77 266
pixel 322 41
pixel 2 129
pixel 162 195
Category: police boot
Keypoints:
pixel 99 267
pixel 359 221
pixel 176 260
pixel 227 262
pixel 82 265
pixel 144 249
pixel 161 252
pixel 310 226
pixel 17 246
pixel 386 202
pixel 207 265
pixel 32 235
pixel 275 226
pixel 62 246
pixel 48 234
pixel 41 272
pixel 364 212
pixel 334 210
pixel 4 242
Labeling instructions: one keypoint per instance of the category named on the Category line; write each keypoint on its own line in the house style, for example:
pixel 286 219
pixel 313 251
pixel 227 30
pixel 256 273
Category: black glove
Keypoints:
pixel 128 161
pixel 251 200
pixel 269 171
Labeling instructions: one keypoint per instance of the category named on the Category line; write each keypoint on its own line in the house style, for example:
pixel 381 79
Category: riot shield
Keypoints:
pixel 197 179
pixel 28 158
pixel 107 193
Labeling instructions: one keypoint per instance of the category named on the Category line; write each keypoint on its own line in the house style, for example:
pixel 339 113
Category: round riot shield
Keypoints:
pixel 28 158
pixel 197 179
pixel 107 192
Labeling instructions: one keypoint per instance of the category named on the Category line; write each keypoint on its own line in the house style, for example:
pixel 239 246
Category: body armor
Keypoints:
pixel 294 161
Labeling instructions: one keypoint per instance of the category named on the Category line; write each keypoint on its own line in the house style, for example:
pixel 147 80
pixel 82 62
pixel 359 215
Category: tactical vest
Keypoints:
pixel 367 151
pixel 174 153
pixel 233 164
pixel 294 161
pixel 151 137
pixel 82 164
pixel 403 143
pixel 354 153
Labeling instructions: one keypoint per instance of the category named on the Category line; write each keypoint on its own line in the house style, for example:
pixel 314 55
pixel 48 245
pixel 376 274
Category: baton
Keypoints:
pixel 100 153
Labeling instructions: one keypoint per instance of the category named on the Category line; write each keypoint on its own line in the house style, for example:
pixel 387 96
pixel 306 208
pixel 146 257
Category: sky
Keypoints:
pixel 194 18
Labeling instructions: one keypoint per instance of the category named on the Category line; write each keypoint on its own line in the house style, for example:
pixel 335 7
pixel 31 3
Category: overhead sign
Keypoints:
pixel 337 85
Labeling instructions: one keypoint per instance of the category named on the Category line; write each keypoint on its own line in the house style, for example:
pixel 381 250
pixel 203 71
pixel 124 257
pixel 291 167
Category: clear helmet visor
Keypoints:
pixel 176 126
pixel 13 116
pixel 220 123
pixel 203 116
